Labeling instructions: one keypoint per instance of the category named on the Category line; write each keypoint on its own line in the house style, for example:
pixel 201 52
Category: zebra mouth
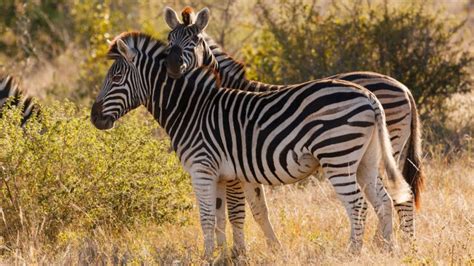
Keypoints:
pixel 99 120
pixel 103 123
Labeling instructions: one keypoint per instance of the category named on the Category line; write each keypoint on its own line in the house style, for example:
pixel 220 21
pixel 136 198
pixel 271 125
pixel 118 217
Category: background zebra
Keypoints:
pixel 187 39
pixel 276 137
pixel 9 88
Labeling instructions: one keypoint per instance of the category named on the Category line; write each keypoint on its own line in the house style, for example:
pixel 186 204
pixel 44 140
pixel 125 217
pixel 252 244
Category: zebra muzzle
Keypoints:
pixel 98 119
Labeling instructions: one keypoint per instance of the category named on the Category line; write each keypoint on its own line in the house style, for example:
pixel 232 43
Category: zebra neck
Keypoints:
pixel 232 72
pixel 177 105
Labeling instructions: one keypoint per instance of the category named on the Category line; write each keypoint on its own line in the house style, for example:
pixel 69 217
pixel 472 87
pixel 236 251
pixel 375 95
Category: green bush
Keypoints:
pixel 31 28
pixel 417 47
pixel 95 23
pixel 62 173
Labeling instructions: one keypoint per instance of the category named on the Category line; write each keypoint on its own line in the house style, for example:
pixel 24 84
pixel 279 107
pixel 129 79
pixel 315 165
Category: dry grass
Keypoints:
pixel 310 223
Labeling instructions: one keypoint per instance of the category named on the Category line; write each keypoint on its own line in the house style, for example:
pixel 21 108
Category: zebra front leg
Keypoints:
pixel 236 211
pixel 255 195
pixel 205 186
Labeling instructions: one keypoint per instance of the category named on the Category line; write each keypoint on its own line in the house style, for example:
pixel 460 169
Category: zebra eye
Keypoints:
pixel 197 40
pixel 117 78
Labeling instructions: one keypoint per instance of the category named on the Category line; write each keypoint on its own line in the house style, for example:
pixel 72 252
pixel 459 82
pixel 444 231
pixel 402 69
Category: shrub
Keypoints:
pixel 31 28
pixel 410 44
pixel 62 173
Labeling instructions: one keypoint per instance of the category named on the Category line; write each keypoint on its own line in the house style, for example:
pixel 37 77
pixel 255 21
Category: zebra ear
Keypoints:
pixel 125 50
pixel 202 19
pixel 171 17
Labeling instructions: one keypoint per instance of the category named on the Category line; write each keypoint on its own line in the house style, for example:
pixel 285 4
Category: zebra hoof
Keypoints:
pixel 274 245
pixel 383 244
pixel 355 247
pixel 378 240
pixel 407 234
pixel 223 260
pixel 239 256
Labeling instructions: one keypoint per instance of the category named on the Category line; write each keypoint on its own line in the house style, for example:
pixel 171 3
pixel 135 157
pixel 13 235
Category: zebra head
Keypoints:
pixel 121 91
pixel 185 41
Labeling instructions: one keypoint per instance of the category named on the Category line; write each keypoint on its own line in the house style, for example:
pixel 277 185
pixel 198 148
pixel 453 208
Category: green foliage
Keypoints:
pixel 97 22
pixel 93 28
pixel 410 44
pixel 62 173
pixel 33 26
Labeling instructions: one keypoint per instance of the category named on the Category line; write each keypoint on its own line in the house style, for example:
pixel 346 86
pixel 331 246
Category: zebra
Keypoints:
pixel 190 47
pixel 9 88
pixel 273 138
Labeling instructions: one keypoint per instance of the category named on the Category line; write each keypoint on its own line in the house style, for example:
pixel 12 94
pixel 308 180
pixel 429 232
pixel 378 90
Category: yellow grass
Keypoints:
pixel 310 223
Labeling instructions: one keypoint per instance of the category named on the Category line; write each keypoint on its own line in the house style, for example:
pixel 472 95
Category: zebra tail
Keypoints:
pixel 412 169
pixel 397 187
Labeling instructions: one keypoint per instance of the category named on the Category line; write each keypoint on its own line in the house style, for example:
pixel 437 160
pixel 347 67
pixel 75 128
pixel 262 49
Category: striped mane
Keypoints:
pixel 227 64
pixel 142 42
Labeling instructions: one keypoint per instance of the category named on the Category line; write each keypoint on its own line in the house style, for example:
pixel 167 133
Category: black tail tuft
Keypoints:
pixel 413 170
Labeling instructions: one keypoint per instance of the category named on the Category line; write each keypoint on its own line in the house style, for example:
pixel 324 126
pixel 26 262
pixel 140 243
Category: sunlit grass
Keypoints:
pixel 310 223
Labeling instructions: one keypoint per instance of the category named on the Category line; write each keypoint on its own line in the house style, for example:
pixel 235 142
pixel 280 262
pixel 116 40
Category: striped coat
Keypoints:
pixel 275 137
pixel 397 100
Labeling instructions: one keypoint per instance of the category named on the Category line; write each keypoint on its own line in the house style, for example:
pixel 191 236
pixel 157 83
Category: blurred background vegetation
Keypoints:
pixel 73 177
pixel 57 47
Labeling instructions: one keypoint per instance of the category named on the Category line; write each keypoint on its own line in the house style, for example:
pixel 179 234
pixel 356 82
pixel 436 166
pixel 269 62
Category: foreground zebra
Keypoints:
pixel 9 88
pixel 190 47
pixel 276 137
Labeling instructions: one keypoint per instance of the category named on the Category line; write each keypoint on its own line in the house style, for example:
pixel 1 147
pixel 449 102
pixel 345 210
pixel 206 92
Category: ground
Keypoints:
pixel 311 225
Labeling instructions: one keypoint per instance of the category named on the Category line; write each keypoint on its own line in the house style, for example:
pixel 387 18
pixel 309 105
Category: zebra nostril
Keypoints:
pixel 182 68
pixel 96 109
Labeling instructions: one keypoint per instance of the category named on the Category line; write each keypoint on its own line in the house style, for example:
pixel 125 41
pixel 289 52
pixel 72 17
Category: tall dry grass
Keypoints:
pixel 310 222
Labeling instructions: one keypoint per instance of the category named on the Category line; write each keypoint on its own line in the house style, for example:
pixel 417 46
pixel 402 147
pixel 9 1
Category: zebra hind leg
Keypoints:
pixel 369 179
pixel 344 181
pixel 255 195
pixel 406 210
pixel 380 200
pixel 406 215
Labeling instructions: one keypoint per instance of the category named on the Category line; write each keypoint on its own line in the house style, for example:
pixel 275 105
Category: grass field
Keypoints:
pixel 310 223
